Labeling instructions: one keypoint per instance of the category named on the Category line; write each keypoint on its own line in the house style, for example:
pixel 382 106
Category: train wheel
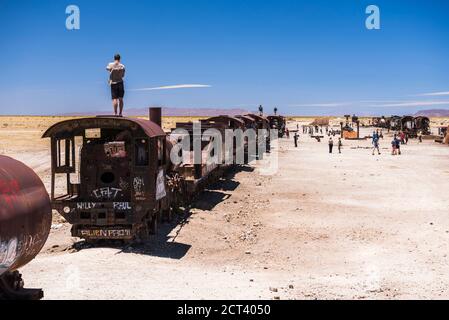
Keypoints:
pixel 11 288
pixel 167 214
pixel 153 225
pixel 143 234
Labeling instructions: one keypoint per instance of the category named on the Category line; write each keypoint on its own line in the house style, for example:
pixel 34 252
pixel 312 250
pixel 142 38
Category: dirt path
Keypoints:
pixel 325 226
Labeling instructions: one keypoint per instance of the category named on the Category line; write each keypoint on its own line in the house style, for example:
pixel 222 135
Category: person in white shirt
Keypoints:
pixel 116 74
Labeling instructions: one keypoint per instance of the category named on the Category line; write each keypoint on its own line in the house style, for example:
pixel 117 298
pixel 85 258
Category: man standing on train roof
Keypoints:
pixel 116 74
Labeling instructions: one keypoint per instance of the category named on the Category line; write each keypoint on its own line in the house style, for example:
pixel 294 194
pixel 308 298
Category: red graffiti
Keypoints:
pixel 8 191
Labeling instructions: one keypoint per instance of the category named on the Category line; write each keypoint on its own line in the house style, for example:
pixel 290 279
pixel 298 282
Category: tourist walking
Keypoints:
pixel 393 146
pixel 331 145
pixel 376 145
pixel 296 137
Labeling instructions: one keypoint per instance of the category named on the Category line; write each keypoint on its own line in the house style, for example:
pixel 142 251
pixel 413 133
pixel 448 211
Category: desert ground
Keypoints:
pixel 323 226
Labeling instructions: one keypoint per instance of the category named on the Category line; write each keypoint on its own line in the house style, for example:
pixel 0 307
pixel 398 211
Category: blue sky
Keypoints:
pixel 305 57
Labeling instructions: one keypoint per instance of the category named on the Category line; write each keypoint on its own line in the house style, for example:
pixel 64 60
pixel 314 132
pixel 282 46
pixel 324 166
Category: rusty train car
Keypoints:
pixel 409 124
pixel 119 180
pixel 25 221
pixel 278 123
pixel 422 124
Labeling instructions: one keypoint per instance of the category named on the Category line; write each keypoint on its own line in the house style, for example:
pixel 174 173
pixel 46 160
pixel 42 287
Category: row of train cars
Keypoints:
pixel 119 184
pixel 408 124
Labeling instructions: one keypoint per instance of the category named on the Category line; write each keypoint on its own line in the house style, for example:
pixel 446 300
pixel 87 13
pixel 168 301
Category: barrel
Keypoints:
pixel 25 215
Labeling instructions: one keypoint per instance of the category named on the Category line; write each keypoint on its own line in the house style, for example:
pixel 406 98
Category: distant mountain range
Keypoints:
pixel 433 113
pixel 211 112
pixel 170 112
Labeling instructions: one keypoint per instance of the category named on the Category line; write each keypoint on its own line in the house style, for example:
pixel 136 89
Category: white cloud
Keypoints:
pixel 413 104
pixel 435 94
pixel 178 86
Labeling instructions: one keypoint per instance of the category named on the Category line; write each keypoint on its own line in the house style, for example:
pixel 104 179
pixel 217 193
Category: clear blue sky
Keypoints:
pixel 306 57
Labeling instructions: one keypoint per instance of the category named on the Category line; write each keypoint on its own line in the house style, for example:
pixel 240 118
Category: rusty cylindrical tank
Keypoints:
pixel 25 215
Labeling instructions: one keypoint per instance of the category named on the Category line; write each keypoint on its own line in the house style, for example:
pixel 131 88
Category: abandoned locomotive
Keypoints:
pixel 120 182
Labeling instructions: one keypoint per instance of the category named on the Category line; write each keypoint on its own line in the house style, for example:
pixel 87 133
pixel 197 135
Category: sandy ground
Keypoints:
pixel 349 226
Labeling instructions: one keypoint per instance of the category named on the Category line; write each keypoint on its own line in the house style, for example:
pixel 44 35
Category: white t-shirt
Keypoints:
pixel 117 72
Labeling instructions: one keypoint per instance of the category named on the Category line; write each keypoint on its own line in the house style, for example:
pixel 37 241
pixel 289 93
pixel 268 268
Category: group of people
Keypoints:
pixel 396 145
pixel 403 137
pixel 311 130
pixel 331 145
pixel 399 139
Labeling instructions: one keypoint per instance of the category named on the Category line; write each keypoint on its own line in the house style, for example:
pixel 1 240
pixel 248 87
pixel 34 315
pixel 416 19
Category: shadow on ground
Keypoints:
pixel 164 244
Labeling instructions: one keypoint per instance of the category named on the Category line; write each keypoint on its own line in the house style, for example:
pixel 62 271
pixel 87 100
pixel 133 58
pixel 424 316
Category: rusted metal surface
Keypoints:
pixel 395 123
pixel 116 188
pixel 119 179
pixel 422 124
pixel 25 214
pixel 250 123
pixel 25 221
pixel 156 116
pixel 410 125
pixel 262 122
pixel 278 123
pixel 230 122
pixel 76 127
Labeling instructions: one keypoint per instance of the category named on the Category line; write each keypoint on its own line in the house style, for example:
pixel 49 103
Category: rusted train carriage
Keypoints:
pixel 235 124
pixel 380 122
pixel 114 175
pixel 278 123
pixel 117 177
pixel 196 176
pixel 395 123
pixel 261 123
pixel 422 124
pixel 375 121
pixel 408 124
pixel 250 123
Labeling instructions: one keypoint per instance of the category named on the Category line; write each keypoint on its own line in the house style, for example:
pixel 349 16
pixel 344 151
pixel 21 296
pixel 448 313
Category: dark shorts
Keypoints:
pixel 117 90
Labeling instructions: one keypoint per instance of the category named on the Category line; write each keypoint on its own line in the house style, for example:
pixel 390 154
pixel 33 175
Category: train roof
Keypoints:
pixel 75 126
pixel 246 118
pixel 275 117
pixel 225 118
pixel 257 117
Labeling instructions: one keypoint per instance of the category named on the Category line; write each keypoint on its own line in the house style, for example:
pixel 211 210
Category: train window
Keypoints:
pixel 160 152
pixel 115 149
pixel 64 155
pixel 142 156
pixel 93 133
